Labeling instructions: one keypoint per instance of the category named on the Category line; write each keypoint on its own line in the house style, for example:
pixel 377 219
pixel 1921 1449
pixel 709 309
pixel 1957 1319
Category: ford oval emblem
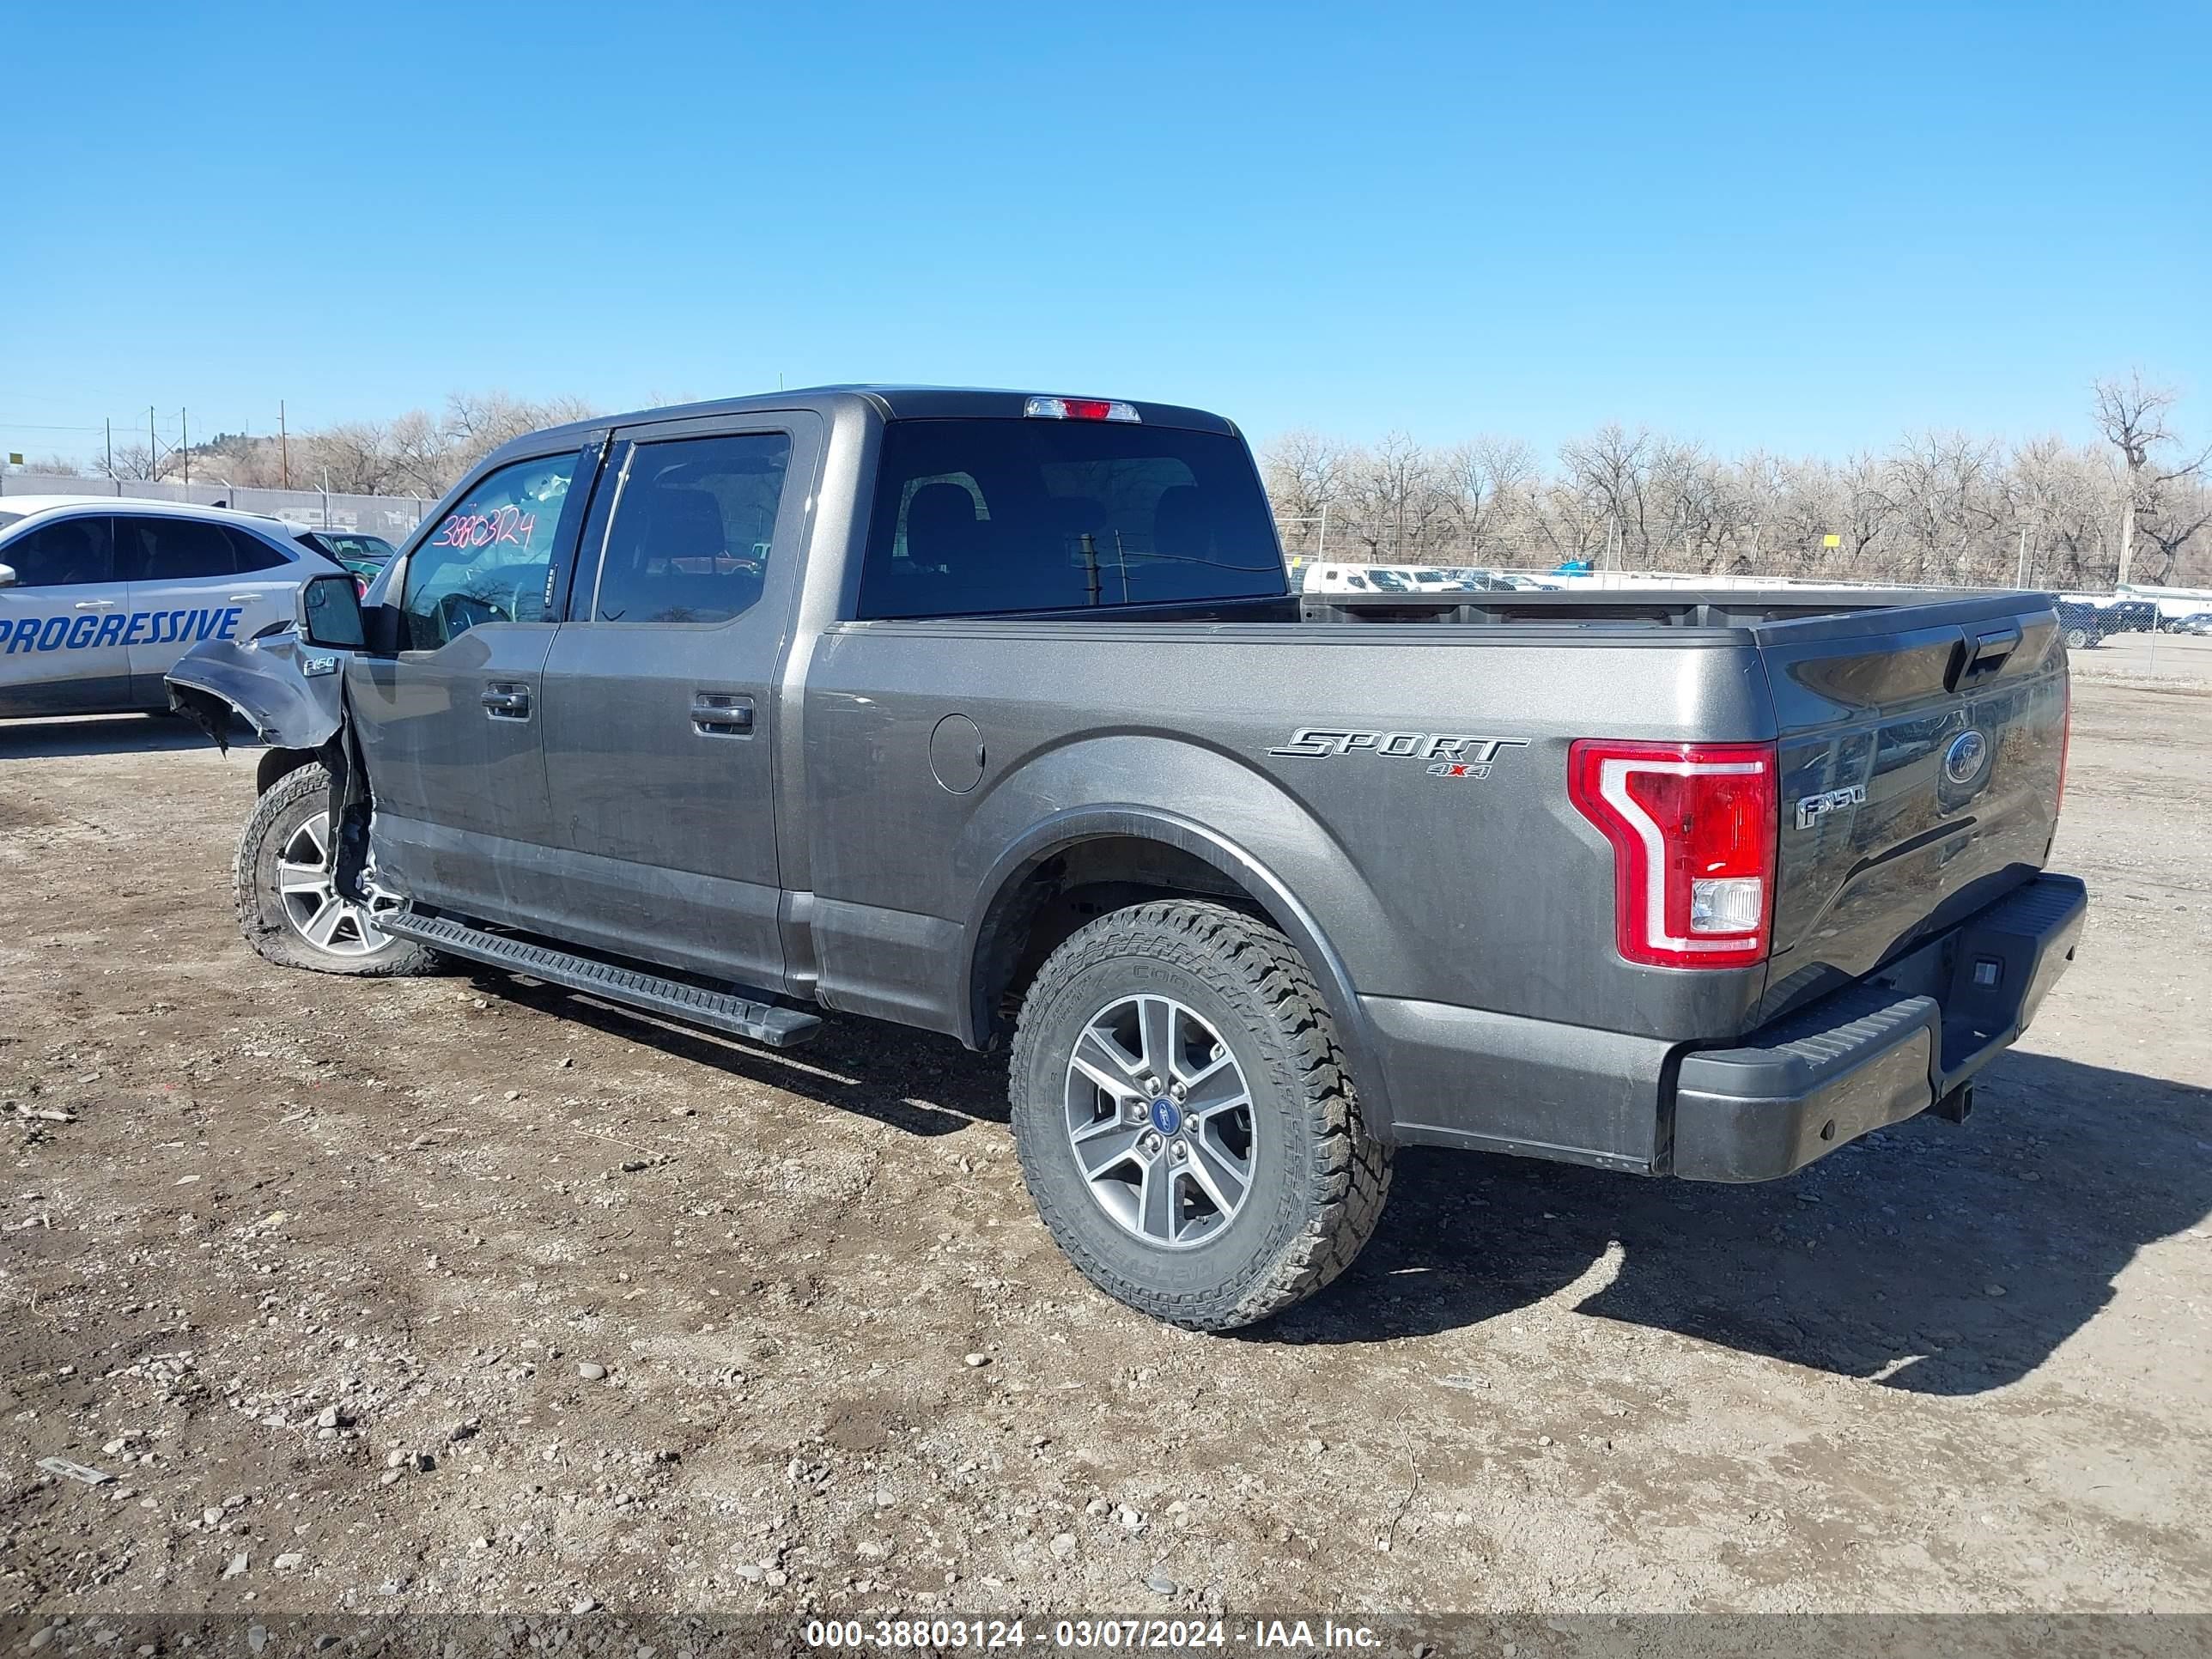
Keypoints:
pixel 1964 759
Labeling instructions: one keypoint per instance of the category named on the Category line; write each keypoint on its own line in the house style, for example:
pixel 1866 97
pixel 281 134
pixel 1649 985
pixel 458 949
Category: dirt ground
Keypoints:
pixel 316 1268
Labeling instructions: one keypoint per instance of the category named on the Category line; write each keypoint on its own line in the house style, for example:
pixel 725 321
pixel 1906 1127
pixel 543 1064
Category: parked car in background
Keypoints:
pixel 101 595
pixel 365 556
pixel 2198 621
pixel 1345 578
pixel 2082 625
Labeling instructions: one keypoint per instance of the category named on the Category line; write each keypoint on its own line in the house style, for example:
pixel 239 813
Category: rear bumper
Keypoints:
pixel 1880 1051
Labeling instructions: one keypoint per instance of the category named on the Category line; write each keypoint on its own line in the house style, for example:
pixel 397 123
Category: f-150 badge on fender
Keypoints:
pixel 1449 755
pixel 1811 809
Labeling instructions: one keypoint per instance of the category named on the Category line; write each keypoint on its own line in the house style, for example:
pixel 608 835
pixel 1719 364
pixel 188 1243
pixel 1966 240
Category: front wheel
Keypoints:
pixel 287 907
pixel 2077 639
pixel 1184 1120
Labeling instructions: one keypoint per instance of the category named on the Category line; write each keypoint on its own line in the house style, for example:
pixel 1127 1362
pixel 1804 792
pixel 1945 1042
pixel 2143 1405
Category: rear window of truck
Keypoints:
pixel 978 517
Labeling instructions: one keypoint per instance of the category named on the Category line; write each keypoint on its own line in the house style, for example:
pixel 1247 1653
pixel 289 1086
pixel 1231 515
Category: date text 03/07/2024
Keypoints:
pixel 1263 1635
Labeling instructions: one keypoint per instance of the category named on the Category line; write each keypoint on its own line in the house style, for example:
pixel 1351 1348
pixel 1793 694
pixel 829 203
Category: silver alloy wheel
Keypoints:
pixel 1159 1117
pixel 311 903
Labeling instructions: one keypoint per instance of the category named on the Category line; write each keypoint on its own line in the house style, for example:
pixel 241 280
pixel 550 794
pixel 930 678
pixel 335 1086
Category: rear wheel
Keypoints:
pixel 2077 639
pixel 1184 1120
pixel 288 906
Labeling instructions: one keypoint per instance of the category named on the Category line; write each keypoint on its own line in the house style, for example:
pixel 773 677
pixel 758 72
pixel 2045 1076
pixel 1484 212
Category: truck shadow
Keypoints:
pixel 1928 1258
pixel 108 734
pixel 911 1080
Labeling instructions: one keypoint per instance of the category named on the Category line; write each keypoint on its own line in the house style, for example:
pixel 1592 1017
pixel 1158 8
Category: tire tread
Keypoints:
pixel 1347 1171
pixel 270 936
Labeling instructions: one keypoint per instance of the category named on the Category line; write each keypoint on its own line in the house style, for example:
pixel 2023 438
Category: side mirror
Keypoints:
pixel 329 614
pixel 7 575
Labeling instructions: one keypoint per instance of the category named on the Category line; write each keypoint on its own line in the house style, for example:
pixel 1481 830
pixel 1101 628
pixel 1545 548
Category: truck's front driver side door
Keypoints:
pixel 449 726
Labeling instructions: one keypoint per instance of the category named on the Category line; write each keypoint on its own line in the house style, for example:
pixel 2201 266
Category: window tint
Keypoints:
pixel 171 550
pixel 251 551
pixel 69 554
pixel 973 517
pixel 689 539
pixel 490 558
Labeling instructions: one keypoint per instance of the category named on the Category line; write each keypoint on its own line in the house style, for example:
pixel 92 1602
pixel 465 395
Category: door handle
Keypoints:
pixel 95 604
pixel 721 715
pixel 241 599
pixel 507 702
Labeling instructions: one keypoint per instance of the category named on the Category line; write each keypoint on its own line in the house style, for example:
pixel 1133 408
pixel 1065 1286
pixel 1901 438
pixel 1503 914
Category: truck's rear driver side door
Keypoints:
pixel 660 690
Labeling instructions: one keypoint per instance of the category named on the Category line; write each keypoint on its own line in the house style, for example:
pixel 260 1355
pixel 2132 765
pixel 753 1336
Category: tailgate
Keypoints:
pixel 1920 751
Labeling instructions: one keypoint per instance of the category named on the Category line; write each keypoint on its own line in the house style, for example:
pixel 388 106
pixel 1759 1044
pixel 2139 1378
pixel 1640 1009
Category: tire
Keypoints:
pixel 1207 982
pixel 303 927
pixel 2077 639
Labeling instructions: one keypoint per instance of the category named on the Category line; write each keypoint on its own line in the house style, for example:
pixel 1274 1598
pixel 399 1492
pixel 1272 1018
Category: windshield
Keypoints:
pixel 977 517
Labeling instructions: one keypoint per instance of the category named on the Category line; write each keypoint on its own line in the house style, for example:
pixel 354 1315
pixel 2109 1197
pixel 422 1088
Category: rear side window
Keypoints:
pixel 689 538
pixel 74 553
pixel 490 558
pixel 251 552
pixel 977 517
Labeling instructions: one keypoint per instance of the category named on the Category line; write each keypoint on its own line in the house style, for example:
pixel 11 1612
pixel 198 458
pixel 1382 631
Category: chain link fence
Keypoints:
pixel 389 516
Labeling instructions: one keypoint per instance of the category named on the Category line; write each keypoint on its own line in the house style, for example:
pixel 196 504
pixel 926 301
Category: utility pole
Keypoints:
pixel 153 447
pixel 185 443
pixel 110 425
pixel 284 443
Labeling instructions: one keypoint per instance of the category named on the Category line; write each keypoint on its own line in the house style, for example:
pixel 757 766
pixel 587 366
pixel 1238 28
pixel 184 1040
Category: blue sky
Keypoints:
pixel 1806 227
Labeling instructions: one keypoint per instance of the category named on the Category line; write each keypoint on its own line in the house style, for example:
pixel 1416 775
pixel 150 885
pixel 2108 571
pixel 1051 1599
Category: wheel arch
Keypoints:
pixel 1094 839
pixel 275 764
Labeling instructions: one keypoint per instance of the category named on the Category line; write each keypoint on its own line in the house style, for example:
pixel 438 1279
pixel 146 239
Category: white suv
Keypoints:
pixel 100 595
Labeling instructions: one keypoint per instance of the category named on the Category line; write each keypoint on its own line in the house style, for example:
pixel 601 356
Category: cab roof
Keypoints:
pixel 889 402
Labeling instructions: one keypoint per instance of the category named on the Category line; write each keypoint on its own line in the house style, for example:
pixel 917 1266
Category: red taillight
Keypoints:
pixel 360 586
pixel 1692 829
pixel 2065 739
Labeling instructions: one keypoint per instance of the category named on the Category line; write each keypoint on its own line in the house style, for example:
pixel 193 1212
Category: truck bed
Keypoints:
pixel 1614 609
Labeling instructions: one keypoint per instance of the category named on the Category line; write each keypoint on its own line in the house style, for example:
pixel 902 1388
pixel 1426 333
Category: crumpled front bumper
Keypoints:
pixel 1911 1035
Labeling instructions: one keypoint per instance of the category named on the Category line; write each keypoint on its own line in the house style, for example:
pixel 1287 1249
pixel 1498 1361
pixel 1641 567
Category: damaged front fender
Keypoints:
pixel 292 695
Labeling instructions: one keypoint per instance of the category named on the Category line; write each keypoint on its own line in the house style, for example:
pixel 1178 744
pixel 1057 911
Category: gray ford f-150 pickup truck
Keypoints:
pixel 994 715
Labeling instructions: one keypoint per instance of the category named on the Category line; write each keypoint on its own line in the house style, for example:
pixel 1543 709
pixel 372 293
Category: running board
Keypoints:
pixel 756 1022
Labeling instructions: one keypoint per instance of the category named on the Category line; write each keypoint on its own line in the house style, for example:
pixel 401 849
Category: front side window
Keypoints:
pixel 172 549
pixel 490 558
pixel 691 530
pixel 73 553
pixel 976 517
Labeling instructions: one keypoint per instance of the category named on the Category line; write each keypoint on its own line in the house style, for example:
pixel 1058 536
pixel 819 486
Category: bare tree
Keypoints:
pixel 1401 502
pixel 2133 418
pixel 130 462
pixel 1305 474
pixel 1613 467
pixel 1486 478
